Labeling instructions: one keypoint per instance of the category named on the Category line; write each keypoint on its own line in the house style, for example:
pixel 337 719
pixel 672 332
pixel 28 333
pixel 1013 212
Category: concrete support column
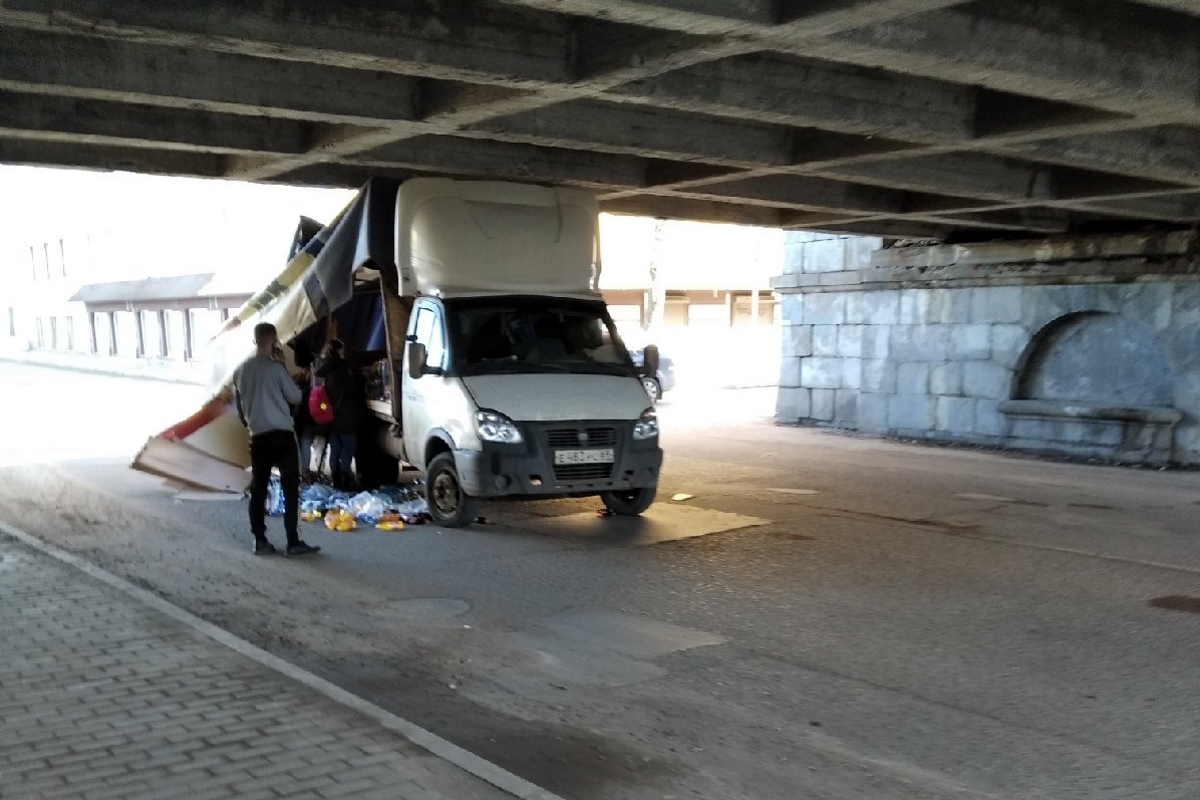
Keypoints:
pixel 164 349
pixel 140 327
pixel 188 344
pixel 93 339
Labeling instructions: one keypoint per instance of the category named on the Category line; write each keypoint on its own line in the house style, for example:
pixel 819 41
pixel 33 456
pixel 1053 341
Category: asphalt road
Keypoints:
pixel 866 618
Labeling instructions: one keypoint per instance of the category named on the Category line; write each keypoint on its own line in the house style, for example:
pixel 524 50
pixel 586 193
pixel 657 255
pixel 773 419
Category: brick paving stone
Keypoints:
pixel 104 697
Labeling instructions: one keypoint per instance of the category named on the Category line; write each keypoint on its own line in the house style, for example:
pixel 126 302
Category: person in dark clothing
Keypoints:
pixel 346 395
pixel 307 430
pixel 264 392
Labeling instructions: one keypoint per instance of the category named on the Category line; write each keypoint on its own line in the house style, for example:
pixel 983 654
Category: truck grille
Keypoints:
pixel 570 473
pixel 569 437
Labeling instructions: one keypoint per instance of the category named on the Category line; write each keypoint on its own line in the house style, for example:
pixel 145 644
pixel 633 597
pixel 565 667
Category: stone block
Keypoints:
pixel 878 375
pixel 914 306
pixel 971 342
pixel 1185 306
pixel 823 405
pixel 852 373
pixel 789 371
pixel 825 308
pixel 793 404
pixel 850 341
pixel 858 251
pixel 946 378
pixel 797 340
pixel 820 372
pixel 825 256
pixel 1044 304
pixel 881 307
pixel 846 408
pixel 912 377
pixel 876 341
pixel 1149 303
pixel 1009 341
pixel 950 306
pixel 873 412
pixel 792 308
pixel 932 342
pixel 920 342
pixel 855 308
pixel 955 415
pixel 997 304
pixel 988 419
pixel 793 253
pixel 987 379
pixel 910 412
pixel 824 340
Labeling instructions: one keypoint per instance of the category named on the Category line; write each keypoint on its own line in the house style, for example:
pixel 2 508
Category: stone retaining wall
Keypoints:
pixel 932 342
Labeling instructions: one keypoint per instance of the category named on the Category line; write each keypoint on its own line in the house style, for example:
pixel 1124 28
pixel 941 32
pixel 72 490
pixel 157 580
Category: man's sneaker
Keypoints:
pixel 264 548
pixel 302 549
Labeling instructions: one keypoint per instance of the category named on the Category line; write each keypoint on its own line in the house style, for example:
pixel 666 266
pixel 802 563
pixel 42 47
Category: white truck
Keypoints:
pixel 511 379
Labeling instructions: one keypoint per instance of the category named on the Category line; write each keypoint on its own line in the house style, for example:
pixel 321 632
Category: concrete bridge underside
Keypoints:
pixel 900 118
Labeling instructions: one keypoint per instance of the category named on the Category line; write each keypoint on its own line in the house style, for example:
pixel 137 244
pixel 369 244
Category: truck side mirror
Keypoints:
pixel 417 357
pixel 650 361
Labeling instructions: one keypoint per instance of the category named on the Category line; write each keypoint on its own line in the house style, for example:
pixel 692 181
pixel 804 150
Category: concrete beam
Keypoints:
pixel 84 67
pixel 1164 153
pixel 464 40
pixel 802 92
pixel 794 18
pixel 66 119
pixel 803 193
pixel 110 158
pixel 667 207
pixel 1065 51
pixel 502 160
pixel 613 128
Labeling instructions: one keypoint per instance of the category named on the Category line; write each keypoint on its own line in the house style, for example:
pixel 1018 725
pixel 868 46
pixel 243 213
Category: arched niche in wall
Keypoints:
pixel 1095 383
pixel 1097 358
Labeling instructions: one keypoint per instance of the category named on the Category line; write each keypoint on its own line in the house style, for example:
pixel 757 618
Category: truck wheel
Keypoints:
pixel 653 389
pixel 628 502
pixel 448 504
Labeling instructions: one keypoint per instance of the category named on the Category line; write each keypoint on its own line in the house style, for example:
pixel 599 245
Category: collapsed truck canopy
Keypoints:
pixel 210 448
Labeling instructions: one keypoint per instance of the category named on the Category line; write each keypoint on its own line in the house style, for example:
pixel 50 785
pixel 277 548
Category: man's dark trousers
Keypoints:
pixel 267 450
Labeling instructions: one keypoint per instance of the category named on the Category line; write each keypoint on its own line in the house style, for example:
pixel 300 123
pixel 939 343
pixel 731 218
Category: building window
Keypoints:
pixel 70 323
pixel 39 333
pixel 12 322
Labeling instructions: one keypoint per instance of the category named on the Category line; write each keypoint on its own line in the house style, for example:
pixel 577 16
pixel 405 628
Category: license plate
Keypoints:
pixel 583 456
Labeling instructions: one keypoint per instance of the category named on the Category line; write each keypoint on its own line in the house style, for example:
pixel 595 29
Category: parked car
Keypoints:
pixel 660 382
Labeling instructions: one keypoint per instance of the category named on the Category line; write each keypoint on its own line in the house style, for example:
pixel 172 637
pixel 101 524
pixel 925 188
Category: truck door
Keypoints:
pixel 424 396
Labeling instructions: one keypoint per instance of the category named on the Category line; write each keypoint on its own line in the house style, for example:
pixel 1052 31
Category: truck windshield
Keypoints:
pixel 534 335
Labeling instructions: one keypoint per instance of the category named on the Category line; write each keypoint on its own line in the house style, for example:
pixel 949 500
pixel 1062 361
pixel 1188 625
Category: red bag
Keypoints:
pixel 319 407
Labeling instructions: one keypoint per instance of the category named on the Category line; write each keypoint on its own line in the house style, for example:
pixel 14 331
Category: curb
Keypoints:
pixel 447 751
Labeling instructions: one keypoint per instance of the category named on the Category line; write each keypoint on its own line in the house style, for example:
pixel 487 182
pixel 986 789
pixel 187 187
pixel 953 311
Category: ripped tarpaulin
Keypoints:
pixel 318 280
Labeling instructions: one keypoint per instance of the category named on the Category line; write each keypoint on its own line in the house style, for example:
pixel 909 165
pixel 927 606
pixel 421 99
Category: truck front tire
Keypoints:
pixel 449 505
pixel 629 502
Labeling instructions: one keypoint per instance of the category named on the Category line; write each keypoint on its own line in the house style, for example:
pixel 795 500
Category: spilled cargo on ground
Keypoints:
pixel 492 363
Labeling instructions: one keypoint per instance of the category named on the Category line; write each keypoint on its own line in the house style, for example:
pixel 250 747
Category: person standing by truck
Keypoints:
pixel 265 391
pixel 346 395
pixel 307 429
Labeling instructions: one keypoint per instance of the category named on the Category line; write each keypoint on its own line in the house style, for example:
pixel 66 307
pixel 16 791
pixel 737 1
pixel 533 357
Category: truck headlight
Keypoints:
pixel 492 426
pixel 647 426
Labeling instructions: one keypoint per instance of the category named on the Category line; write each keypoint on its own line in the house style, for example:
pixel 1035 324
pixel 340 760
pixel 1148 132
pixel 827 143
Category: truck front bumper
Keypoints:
pixel 529 470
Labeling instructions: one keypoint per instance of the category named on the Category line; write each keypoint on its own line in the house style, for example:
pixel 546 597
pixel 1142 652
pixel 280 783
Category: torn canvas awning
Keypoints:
pixel 210 449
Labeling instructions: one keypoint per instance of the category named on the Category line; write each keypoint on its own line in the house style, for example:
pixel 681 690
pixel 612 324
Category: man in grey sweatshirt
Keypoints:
pixel 265 392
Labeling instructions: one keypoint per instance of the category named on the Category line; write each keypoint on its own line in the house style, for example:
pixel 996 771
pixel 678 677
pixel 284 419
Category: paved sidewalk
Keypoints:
pixel 104 696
